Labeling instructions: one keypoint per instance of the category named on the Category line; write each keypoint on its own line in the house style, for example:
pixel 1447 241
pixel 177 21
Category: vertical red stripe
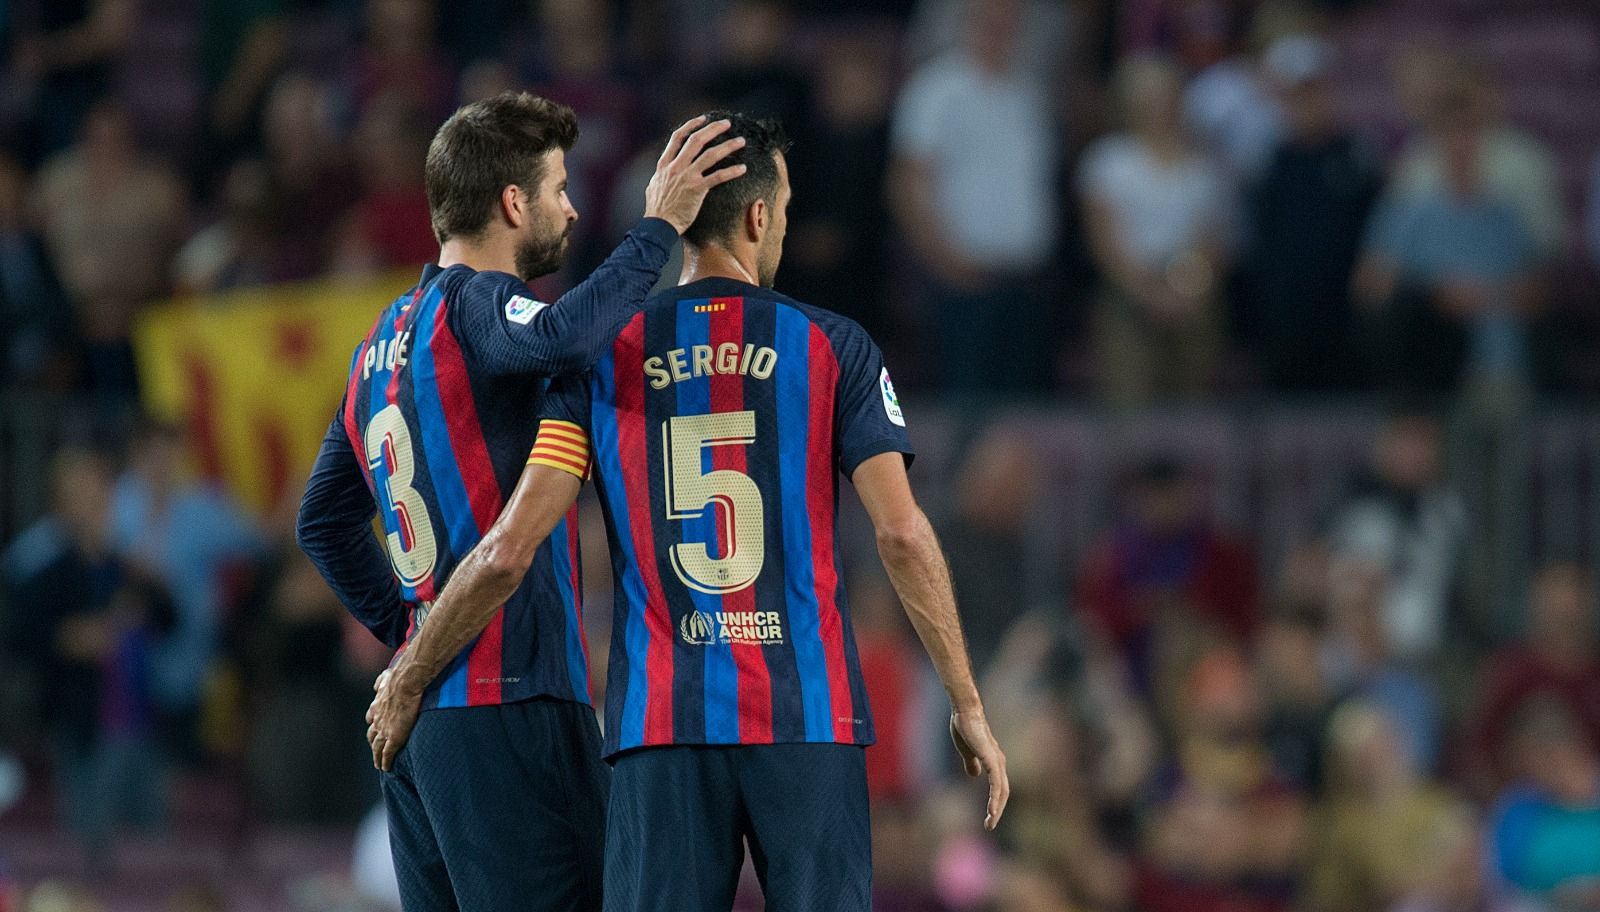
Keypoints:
pixel 821 477
pixel 577 590
pixel 351 430
pixel 727 395
pixel 485 661
pixel 628 354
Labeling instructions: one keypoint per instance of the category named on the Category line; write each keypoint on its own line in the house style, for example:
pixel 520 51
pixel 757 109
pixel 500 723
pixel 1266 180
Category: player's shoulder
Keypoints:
pixel 843 333
pixel 500 291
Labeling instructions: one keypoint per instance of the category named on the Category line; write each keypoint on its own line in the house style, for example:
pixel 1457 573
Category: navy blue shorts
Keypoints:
pixel 497 808
pixel 681 816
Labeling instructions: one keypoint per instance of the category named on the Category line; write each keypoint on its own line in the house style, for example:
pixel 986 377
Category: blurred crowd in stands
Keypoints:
pixel 1116 203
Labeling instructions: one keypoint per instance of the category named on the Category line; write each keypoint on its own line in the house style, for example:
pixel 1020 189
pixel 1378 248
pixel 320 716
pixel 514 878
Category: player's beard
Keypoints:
pixel 540 256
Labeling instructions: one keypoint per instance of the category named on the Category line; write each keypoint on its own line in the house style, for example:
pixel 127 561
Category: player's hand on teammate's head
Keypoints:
pixel 980 754
pixel 682 181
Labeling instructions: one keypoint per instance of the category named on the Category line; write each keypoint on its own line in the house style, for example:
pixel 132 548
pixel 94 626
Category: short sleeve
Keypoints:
pixel 567 399
pixel 563 441
pixel 869 419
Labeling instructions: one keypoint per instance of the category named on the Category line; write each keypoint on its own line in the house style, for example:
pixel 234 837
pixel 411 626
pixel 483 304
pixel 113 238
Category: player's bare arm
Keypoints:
pixel 480 584
pixel 911 553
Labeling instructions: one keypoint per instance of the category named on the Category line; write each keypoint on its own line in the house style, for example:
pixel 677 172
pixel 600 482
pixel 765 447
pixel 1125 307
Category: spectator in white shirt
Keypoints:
pixel 1159 217
pixel 972 186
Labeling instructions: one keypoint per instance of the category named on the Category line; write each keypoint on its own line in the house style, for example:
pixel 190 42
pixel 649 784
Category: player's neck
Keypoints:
pixel 480 256
pixel 717 263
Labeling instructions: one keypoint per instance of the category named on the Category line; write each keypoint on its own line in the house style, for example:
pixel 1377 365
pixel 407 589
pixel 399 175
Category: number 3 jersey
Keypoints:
pixel 434 431
pixel 716 427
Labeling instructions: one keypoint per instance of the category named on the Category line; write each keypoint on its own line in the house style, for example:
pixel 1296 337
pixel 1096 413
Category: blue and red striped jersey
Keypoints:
pixel 435 427
pixel 719 422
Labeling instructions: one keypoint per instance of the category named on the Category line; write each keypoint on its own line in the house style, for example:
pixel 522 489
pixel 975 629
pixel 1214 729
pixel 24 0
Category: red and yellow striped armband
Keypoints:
pixel 562 445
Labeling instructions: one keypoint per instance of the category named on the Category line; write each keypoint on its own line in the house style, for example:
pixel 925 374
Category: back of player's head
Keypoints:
pixel 485 147
pixel 725 205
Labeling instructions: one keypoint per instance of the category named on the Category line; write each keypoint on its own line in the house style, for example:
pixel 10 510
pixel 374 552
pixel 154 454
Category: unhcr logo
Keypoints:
pixel 698 629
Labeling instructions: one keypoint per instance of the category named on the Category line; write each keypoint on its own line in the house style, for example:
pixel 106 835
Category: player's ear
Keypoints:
pixel 512 207
pixel 757 219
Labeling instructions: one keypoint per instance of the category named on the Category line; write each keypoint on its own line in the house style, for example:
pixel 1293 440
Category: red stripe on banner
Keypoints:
pixel 820 481
pixel 485 662
pixel 628 353
pixel 750 660
pixel 577 594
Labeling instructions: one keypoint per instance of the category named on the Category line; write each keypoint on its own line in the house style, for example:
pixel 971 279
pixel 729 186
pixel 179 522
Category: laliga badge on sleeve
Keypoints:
pixel 891 402
pixel 522 310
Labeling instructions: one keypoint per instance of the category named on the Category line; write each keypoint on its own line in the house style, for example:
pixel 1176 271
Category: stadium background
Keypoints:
pixel 1249 347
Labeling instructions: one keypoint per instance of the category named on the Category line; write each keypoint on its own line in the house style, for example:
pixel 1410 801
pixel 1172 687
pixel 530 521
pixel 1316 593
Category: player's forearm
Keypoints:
pixel 921 578
pixel 488 576
pixel 477 589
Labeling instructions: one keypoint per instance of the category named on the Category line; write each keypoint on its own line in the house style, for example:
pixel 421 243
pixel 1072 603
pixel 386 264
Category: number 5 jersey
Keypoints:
pixel 715 428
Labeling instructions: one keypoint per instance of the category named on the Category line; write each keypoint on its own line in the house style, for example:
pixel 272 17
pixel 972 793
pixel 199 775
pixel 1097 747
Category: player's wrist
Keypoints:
pixel 406 678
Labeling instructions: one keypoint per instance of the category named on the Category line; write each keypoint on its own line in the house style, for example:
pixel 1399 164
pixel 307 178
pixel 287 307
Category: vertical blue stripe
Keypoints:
pixel 805 621
pixel 721 675
pixel 607 448
pixel 453 689
pixel 449 491
pixel 577 667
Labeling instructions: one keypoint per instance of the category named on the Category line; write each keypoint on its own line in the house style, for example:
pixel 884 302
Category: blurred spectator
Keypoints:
pixel 35 318
pixel 1558 660
pixel 1544 837
pixel 1510 165
pixel 307 699
pixel 1363 667
pixel 236 250
pixel 1404 516
pixel 1164 581
pixel 1054 820
pixel 893 670
pixel 189 536
pixel 835 248
pixel 390 226
pixel 1226 833
pixel 1299 697
pixel 995 490
pixel 65 54
pixel 1383 829
pixel 310 180
pixel 89 628
pixel 939 26
pixel 1159 222
pixel 400 56
pixel 1232 105
pixel 576 59
pixel 112 218
pixel 1455 881
pixel 1307 214
pixel 754 74
pixel 978 214
pixel 901 856
pixel 1448 269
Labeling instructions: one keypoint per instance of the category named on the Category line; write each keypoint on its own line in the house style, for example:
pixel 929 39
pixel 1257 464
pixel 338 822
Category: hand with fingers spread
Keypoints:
pixel 391 716
pixel 980 754
pixel 683 173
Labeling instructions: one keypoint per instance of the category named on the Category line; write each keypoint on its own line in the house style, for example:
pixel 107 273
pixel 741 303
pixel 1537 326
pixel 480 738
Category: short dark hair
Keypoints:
pixel 485 147
pixel 764 141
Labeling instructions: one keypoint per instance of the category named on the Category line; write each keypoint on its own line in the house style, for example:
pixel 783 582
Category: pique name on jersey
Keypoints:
pixel 386 355
pixel 681 364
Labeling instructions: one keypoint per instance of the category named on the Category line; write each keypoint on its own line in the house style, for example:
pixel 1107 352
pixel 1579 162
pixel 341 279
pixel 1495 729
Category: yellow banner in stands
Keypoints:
pixel 255 376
